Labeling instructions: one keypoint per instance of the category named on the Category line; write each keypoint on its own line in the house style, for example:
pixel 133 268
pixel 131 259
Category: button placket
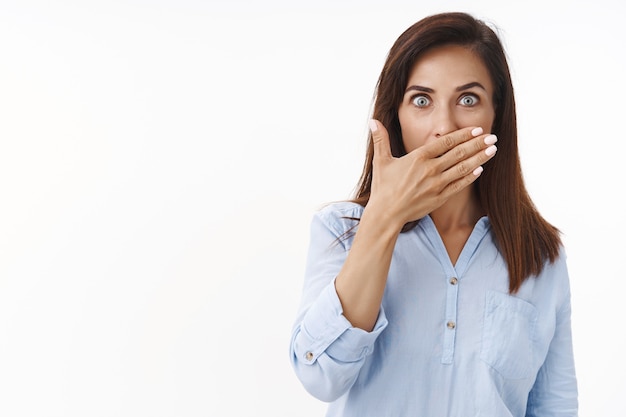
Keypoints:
pixel 452 292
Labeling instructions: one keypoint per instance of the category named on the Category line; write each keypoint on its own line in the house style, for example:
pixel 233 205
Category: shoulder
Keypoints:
pixel 340 216
pixel 553 281
pixel 341 209
pixel 558 266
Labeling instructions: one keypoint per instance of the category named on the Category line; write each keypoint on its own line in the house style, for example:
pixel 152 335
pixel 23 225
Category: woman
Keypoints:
pixel 439 290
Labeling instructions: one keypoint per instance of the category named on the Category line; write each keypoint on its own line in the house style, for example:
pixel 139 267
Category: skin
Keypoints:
pixel 445 116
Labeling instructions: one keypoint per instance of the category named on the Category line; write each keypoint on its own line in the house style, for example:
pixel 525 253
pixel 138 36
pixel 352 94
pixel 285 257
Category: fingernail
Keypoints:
pixel 491 139
pixel 478 170
pixel 373 125
pixel 477 131
pixel 491 150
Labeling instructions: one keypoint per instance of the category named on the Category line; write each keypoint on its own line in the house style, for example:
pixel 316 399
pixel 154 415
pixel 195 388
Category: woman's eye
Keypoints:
pixel 420 101
pixel 469 100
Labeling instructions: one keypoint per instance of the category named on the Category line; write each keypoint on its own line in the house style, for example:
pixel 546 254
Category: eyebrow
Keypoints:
pixel 419 88
pixel 459 88
pixel 470 85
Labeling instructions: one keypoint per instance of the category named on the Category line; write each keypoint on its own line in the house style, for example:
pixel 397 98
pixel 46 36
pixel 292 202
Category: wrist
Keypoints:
pixel 381 218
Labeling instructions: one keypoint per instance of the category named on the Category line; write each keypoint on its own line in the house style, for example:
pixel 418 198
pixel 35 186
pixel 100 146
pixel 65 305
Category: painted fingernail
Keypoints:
pixel 373 125
pixel 491 139
pixel 491 150
pixel 477 131
pixel 478 170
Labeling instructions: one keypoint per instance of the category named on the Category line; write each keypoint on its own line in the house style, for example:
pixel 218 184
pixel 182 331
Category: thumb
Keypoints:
pixel 380 137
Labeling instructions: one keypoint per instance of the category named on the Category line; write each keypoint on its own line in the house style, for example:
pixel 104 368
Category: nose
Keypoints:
pixel 444 121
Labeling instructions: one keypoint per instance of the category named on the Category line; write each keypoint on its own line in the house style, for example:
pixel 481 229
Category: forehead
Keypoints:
pixel 449 65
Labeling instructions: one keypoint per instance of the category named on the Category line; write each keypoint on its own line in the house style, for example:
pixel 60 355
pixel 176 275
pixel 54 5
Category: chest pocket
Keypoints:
pixel 508 335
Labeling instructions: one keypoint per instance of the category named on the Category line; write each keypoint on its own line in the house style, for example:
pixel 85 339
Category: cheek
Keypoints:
pixel 482 119
pixel 414 132
pixel 413 136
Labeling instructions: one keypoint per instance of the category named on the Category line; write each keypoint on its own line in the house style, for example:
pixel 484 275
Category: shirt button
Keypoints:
pixel 309 356
pixel 453 281
pixel 451 325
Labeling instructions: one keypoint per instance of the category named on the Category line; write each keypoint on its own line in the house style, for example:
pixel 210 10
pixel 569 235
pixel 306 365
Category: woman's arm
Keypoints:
pixel 327 352
pixel 555 392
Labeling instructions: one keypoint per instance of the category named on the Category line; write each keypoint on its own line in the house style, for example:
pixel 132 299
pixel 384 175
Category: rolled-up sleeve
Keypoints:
pixel 327 352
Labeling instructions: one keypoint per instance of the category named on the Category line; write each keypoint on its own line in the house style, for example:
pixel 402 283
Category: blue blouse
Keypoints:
pixel 449 339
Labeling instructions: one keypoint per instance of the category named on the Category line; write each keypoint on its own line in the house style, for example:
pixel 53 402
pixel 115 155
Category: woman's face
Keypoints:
pixel 449 88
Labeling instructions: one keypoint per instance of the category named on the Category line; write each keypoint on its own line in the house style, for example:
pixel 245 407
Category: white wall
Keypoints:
pixel 160 162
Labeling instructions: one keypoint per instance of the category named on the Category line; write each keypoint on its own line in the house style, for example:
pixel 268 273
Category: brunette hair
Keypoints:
pixel 524 238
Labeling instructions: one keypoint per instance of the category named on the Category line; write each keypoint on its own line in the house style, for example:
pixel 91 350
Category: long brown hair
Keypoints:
pixel 525 239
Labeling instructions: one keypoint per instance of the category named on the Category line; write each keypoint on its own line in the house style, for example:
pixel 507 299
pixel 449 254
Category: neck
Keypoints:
pixel 461 211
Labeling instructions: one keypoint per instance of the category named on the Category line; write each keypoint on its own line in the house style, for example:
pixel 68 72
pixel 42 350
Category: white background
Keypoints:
pixel 160 162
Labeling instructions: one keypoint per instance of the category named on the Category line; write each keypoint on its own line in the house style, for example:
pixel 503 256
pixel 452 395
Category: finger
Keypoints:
pixel 455 186
pixel 465 151
pixel 380 137
pixel 464 174
pixel 450 141
pixel 472 166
